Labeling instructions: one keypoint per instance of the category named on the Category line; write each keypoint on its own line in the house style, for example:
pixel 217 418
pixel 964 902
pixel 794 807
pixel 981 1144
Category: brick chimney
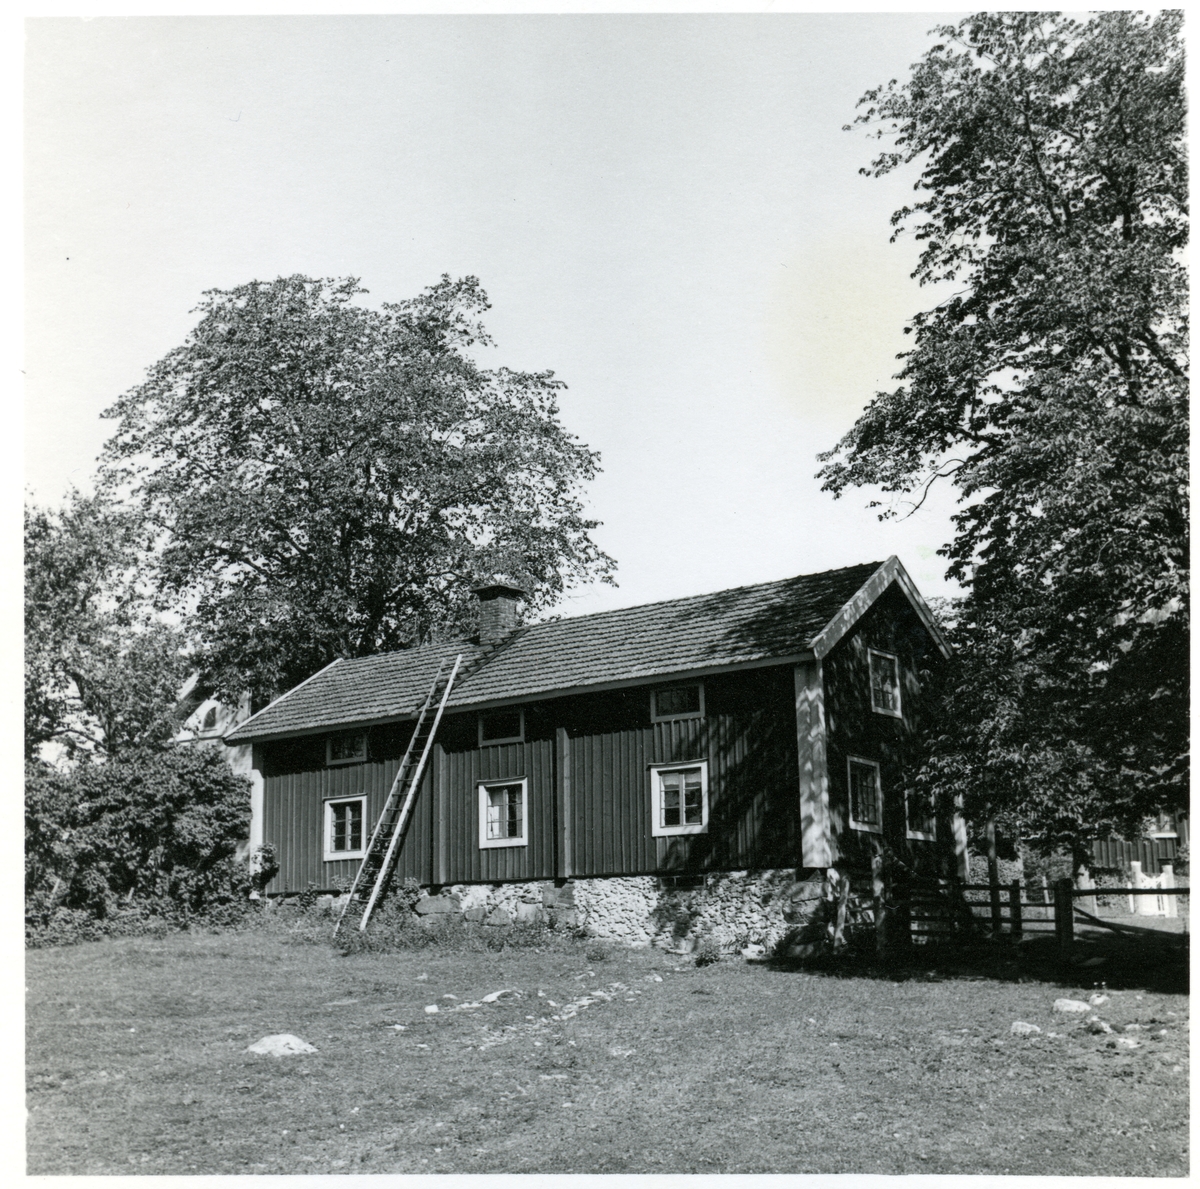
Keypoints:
pixel 497 610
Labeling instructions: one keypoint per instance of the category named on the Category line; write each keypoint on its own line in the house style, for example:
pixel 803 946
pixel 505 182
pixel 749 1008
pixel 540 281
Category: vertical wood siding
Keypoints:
pixel 748 738
pixel 467 862
pixel 854 729
pixel 293 817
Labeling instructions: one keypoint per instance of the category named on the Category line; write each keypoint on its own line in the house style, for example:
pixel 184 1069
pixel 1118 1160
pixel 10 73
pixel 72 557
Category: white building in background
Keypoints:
pixel 206 726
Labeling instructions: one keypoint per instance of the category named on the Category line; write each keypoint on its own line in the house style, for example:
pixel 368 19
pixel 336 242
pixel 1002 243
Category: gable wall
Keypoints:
pixel 854 729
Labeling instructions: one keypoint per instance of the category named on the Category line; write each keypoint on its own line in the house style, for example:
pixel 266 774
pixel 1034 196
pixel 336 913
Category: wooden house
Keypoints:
pixel 761 728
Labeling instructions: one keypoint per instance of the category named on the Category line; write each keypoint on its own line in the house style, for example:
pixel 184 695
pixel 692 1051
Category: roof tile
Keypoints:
pixel 748 623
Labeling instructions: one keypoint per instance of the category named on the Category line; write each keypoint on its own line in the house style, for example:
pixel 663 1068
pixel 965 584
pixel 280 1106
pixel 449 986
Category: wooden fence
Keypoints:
pixel 1020 910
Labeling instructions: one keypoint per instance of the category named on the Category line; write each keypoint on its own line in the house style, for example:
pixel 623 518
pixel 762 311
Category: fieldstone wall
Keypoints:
pixel 620 907
pixel 732 909
pixel 737 908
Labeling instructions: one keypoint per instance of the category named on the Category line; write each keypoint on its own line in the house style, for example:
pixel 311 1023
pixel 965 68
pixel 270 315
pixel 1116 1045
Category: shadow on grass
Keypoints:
pixel 1122 963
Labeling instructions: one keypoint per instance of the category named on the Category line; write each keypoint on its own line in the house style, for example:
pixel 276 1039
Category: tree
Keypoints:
pixel 102 670
pixel 327 480
pixel 1050 389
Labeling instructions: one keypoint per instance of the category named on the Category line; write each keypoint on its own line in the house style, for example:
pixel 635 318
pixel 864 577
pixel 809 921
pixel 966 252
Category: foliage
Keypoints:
pixel 402 931
pixel 154 831
pixel 1050 389
pixel 327 480
pixel 101 669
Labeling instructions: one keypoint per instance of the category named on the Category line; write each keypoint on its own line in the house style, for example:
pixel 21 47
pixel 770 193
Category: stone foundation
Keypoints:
pixel 732 909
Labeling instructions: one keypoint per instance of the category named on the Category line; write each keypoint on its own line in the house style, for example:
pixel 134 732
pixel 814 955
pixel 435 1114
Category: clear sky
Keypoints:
pixel 663 209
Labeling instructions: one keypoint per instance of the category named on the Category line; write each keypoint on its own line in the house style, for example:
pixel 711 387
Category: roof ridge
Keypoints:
pixel 874 565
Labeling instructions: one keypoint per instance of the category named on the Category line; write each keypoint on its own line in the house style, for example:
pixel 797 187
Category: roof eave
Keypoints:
pixel 857 606
pixel 597 687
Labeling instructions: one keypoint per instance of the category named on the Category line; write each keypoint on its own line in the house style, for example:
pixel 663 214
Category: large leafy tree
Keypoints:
pixel 1050 388
pixel 326 480
pixel 102 668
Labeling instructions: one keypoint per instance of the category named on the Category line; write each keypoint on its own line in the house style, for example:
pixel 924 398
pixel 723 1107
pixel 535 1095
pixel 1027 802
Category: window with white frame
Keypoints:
pixel 503 813
pixel 919 815
pixel 866 795
pixel 345 828
pixel 684 700
pixel 348 747
pixel 506 725
pixel 679 793
pixel 885 682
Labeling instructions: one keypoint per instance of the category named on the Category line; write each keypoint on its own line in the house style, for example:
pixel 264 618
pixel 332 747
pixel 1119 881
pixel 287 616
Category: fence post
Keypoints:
pixel 1084 880
pixel 1167 880
pixel 1064 917
pixel 993 876
pixel 1014 907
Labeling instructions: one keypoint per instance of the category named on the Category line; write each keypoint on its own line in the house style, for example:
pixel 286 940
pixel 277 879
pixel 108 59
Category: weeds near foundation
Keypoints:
pixel 398 932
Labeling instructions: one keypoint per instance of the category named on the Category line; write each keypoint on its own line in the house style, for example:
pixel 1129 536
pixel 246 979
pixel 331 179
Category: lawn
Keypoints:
pixel 137 1063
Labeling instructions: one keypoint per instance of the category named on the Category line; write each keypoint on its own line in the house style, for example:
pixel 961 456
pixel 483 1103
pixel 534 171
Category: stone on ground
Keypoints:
pixel 280 1044
pixel 1021 1028
pixel 1071 1006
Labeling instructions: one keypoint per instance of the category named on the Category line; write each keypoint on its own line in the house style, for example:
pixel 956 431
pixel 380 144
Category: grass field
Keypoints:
pixel 137 1064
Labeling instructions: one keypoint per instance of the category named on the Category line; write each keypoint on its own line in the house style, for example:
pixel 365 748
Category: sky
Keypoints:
pixel 665 210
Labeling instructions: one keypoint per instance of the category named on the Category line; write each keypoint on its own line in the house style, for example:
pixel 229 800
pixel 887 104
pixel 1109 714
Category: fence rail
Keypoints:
pixel 1020 910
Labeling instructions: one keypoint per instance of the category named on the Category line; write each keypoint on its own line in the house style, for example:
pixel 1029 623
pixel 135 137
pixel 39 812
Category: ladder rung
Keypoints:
pixel 392 823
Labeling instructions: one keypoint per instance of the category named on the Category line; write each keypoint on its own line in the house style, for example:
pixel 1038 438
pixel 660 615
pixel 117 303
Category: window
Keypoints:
pixel 680 797
pixel 210 719
pixel 503 813
pixel 677 701
pixel 866 796
pixel 885 682
pixel 345 828
pixel 350 747
pixel 501 726
pixel 920 816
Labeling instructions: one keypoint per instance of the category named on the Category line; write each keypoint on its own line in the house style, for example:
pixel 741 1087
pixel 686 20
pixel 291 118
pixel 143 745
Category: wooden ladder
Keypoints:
pixel 397 809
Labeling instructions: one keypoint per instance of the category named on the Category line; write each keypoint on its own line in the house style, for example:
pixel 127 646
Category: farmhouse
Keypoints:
pixel 727 745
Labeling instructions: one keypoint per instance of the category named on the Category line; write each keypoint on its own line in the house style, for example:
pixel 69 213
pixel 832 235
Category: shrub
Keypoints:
pixel 708 952
pixel 150 834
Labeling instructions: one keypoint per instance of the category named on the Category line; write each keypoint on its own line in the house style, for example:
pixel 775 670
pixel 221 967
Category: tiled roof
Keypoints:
pixel 731 627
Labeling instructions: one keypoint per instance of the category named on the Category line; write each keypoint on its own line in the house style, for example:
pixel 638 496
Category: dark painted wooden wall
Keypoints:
pixel 853 728
pixel 748 736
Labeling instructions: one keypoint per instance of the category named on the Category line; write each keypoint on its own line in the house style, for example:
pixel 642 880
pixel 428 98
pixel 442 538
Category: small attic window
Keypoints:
pixel 348 747
pixel 685 700
pixel 885 682
pixel 210 719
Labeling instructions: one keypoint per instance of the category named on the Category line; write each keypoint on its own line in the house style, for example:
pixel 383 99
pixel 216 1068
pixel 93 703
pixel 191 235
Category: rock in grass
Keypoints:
pixel 496 996
pixel 1071 1006
pixel 281 1044
pixel 1098 1027
pixel 1021 1028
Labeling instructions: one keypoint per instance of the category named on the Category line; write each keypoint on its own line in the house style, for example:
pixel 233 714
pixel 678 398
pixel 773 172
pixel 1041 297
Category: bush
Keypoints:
pixel 148 835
